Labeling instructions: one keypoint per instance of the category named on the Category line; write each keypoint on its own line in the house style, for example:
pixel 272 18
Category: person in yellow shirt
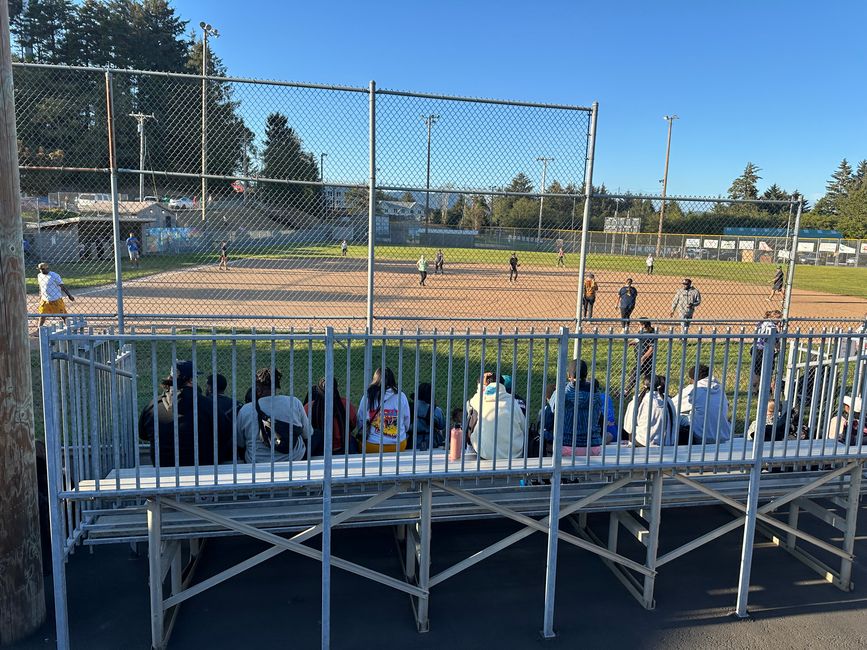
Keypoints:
pixel 51 290
pixel 590 290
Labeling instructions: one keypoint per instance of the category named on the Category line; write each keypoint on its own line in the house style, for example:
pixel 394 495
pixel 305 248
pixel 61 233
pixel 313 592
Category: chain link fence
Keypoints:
pixel 248 202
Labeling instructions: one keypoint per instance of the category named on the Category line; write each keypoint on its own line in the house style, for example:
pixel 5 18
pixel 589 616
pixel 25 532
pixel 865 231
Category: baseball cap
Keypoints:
pixel 42 265
pixel 184 370
pixel 853 403
pixel 687 281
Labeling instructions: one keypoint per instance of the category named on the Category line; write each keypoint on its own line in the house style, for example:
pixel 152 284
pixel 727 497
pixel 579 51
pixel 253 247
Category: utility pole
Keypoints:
pixel 22 597
pixel 140 118
pixel 544 162
pixel 207 29
pixel 429 121
pixel 670 119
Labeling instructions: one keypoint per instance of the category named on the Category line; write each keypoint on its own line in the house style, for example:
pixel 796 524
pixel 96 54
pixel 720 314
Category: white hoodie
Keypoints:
pixel 287 408
pixel 708 406
pixel 656 421
pixel 500 416
pixel 388 424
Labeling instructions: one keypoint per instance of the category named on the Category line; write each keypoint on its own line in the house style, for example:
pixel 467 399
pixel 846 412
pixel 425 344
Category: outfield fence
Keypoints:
pixel 281 173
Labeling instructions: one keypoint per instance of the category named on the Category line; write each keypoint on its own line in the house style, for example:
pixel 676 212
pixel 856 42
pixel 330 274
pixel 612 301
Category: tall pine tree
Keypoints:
pixel 744 186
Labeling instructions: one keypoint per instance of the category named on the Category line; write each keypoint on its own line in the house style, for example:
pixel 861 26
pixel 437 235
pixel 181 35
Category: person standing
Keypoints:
pixel 590 290
pixel 224 256
pixel 513 268
pixel 626 303
pixel 777 283
pixel 561 257
pixel 343 248
pixel 51 290
pixel 649 263
pixel 438 262
pixel 421 265
pixel 686 299
pixel 133 247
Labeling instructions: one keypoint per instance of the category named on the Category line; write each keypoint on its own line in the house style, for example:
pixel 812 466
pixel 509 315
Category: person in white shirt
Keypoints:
pixel 845 427
pixel 51 290
pixel 286 408
pixel 704 406
pixel 649 263
pixel 496 422
pixel 384 414
pixel 650 418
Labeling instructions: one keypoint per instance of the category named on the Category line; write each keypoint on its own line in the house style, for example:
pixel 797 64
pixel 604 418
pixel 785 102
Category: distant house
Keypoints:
pixel 401 209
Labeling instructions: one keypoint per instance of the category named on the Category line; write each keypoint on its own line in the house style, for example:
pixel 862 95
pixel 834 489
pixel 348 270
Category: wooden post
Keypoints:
pixel 22 598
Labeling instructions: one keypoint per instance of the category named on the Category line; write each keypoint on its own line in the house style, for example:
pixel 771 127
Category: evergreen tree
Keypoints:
pixel 407 197
pixel 744 186
pixel 836 189
pixel 40 28
pixel 283 157
pixel 860 178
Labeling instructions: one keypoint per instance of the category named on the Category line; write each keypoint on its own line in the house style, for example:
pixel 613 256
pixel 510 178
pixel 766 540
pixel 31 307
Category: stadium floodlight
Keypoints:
pixel 207 30
pixel 544 162
pixel 670 119
pixel 429 121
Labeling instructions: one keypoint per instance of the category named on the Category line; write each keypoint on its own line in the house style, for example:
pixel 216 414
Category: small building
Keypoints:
pixel 83 238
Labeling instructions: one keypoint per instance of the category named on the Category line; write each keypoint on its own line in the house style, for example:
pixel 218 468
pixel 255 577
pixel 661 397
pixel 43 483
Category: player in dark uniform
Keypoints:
pixel 224 256
pixel 439 260
pixel 777 283
pixel 513 268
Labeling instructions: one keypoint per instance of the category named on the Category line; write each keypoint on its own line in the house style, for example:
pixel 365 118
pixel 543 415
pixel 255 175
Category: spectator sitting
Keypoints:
pixel 845 427
pixel 274 409
pixel 225 404
pixel 180 395
pixel 384 413
pixel 775 424
pixel 582 414
pixel 704 406
pixel 422 410
pixel 610 430
pixel 506 381
pixel 496 423
pixel 650 418
pixel 345 420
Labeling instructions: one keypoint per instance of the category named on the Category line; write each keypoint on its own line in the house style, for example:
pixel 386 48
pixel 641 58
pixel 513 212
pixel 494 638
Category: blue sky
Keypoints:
pixel 781 84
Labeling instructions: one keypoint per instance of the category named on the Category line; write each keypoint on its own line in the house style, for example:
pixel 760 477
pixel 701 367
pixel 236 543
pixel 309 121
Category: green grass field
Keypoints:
pixel 842 281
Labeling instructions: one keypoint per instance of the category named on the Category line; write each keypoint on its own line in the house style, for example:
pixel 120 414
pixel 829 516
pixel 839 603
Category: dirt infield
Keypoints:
pixel 333 290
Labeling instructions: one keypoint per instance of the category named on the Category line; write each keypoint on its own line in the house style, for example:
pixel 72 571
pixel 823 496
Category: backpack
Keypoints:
pixel 282 432
pixel 422 424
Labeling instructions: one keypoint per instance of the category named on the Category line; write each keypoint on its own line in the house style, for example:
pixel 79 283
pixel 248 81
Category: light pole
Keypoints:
pixel 544 162
pixel 429 121
pixel 207 29
pixel 670 119
pixel 140 118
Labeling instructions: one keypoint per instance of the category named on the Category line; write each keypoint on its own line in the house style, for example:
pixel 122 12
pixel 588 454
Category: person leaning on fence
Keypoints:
pixel 274 420
pixel 225 404
pixel 495 421
pixel 686 299
pixel 344 422
pixel 770 325
pixel 844 428
pixel 651 418
pixel 426 436
pixel 584 410
pixel 51 290
pixel 589 296
pixel 182 400
pixel 385 414
pixel 704 407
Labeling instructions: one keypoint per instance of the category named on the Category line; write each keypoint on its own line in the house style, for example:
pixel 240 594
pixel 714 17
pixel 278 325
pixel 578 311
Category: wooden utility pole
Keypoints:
pixel 22 597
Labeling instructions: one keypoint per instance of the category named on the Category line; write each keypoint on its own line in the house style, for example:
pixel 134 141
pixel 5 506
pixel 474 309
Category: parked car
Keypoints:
pixel 181 203
pixel 151 199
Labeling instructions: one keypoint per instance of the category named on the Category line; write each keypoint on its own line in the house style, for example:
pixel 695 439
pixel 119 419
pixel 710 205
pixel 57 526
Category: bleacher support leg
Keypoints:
pixel 156 575
pixel 653 516
pixel 853 501
pixel 424 556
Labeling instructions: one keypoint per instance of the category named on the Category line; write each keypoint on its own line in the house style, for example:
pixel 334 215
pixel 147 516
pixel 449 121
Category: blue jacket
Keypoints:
pixel 578 397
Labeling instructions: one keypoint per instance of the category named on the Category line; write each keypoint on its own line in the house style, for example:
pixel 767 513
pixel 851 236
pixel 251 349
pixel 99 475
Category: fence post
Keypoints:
pixel 755 478
pixel 371 227
pixel 326 488
pixel 585 221
pixel 554 507
pixel 115 211
pixel 793 254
